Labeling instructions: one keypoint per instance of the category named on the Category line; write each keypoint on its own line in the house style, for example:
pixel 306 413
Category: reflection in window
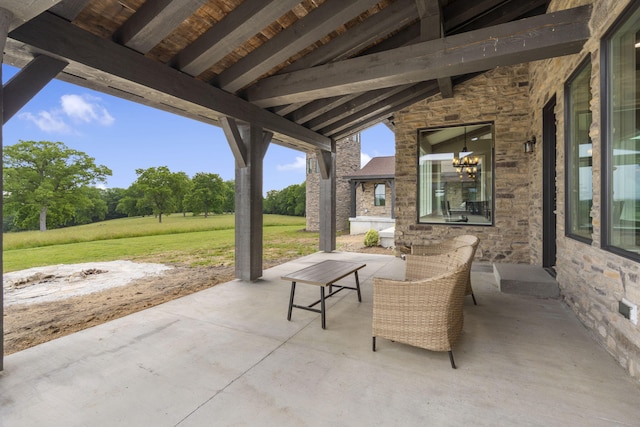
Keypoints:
pixel 455 174
pixel 379 194
pixel 579 155
pixel 623 137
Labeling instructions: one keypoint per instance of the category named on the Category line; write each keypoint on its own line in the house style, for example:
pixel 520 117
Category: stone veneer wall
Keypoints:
pixel 592 280
pixel 347 162
pixel 502 97
pixel 365 200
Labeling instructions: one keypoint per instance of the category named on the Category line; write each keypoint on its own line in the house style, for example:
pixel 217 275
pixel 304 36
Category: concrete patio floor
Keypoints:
pixel 228 356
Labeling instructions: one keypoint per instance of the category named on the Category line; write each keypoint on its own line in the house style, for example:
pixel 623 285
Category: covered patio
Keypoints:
pixel 228 356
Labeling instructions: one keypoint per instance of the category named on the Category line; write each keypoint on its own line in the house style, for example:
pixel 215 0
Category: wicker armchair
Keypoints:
pixel 448 246
pixel 425 312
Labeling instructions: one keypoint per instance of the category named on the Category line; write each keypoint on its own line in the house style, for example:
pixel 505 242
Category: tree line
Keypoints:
pixel 48 185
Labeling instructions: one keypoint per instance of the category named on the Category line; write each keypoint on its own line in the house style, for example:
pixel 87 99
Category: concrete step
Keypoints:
pixel 387 237
pixel 524 279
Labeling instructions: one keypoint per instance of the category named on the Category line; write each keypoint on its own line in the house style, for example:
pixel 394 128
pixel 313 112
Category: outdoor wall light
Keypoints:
pixel 528 145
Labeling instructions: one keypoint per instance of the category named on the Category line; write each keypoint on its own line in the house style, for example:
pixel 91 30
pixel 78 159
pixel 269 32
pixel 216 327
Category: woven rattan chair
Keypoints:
pixel 425 312
pixel 448 246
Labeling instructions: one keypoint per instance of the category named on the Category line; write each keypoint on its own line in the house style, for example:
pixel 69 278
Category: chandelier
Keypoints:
pixel 466 163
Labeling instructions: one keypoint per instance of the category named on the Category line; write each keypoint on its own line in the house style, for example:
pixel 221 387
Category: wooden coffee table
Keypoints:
pixel 323 274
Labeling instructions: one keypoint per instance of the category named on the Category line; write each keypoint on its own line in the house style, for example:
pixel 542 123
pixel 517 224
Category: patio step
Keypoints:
pixel 387 237
pixel 524 279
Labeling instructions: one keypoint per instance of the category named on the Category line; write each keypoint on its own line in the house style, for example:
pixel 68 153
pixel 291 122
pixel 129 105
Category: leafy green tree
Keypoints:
pixel 288 201
pixel 229 204
pixel 181 184
pixel 44 182
pixel 133 203
pixel 157 186
pixel 92 209
pixel 112 197
pixel 206 195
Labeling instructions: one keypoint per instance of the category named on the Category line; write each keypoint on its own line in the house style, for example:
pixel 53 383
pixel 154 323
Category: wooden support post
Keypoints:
pixel 249 145
pixel 5 20
pixel 327 210
pixel 28 82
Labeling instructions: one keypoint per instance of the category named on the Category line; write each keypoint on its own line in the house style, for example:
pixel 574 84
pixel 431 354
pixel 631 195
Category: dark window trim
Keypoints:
pixel 605 142
pixel 568 153
pixel 384 196
pixel 493 177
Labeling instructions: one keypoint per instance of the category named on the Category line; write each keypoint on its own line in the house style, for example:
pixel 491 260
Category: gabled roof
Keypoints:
pixel 309 71
pixel 376 168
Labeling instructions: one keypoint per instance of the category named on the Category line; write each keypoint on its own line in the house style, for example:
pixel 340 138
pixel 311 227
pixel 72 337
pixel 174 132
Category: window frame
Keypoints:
pixel 492 205
pixel 605 140
pixel 384 194
pixel 568 158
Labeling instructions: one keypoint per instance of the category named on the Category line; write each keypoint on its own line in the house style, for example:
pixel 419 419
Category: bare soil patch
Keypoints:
pixel 28 323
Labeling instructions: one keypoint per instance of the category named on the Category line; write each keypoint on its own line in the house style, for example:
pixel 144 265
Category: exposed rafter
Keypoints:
pixel 431 28
pixel 539 37
pixel 153 21
pixel 69 9
pixel 232 31
pixel 304 32
pixel 28 82
pixel 344 46
pixel 59 38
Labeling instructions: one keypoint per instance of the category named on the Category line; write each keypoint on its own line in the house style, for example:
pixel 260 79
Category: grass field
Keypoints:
pixel 196 241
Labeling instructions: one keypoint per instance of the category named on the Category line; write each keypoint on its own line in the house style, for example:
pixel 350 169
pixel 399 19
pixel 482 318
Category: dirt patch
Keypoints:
pixel 31 322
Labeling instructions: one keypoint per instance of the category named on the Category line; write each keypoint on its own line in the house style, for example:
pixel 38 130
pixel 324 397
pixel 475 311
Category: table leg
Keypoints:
pixel 293 291
pixel 358 286
pixel 324 323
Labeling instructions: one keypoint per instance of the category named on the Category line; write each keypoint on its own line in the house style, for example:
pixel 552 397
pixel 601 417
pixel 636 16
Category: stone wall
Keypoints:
pixel 592 280
pixel 365 200
pixel 502 97
pixel 347 162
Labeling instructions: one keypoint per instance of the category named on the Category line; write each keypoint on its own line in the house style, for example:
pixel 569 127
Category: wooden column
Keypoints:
pixel 327 209
pixel 249 144
pixel 5 20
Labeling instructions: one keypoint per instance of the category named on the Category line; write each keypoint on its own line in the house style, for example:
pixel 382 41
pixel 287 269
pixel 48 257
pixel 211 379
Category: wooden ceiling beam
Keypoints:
pixel 347 44
pixel 153 21
pixel 316 108
pixel 458 13
pixel 359 103
pixel 423 89
pixel 54 35
pixel 242 23
pixel 539 37
pixel 304 32
pixel 506 12
pixel 28 82
pixel 388 113
pixel 431 28
pixel 69 9
pixel 23 11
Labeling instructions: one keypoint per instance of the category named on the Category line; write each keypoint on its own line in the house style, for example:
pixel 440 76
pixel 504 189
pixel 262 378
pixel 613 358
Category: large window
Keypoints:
pixel 455 174
pixel 622 137
pixel 579 154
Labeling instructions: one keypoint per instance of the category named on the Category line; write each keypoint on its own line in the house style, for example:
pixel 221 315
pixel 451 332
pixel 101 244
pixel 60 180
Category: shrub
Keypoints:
pixel 371 238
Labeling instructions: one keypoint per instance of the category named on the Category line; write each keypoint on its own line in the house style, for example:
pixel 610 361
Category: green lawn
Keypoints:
pixel 195 241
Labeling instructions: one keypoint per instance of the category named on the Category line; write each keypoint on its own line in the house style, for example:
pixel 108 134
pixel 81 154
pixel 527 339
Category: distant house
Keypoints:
pixel 373 196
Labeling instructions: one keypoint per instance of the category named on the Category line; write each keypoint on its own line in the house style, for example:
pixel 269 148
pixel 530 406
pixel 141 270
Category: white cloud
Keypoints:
pixel 86 108
pixel 47 121
pixel 297 164
pixel 364 159
pixel 78 108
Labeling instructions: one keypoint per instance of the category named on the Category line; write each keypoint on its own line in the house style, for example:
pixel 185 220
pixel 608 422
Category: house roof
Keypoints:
pixel 376 168
pixel 309 71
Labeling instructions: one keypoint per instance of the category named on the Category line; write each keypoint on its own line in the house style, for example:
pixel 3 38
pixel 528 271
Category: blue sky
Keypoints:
pixel 124 136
